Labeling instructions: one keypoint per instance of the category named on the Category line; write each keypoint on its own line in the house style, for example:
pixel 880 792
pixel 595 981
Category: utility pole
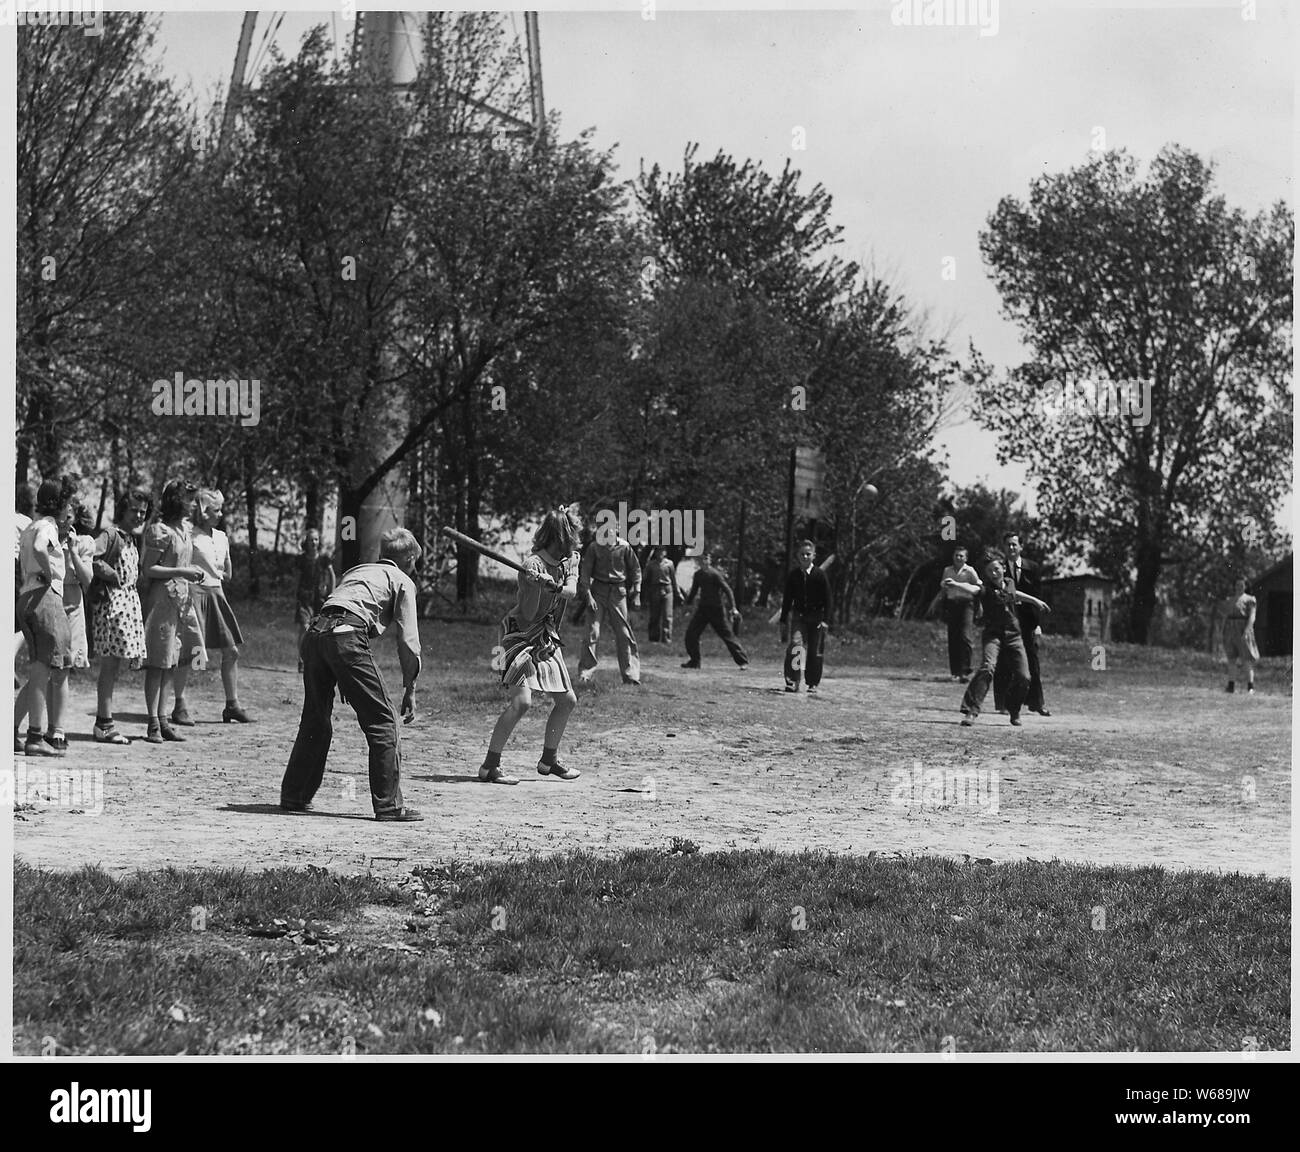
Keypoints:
pixel 535 73
pixel 235 96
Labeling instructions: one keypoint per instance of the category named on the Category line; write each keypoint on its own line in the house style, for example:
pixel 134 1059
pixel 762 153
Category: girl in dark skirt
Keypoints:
pixel 216 617
pixel 532 657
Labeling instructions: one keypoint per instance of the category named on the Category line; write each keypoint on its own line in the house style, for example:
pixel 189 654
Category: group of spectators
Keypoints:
pixel 147 590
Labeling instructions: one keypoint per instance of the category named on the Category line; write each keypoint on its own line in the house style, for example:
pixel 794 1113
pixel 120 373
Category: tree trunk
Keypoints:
pixel 120 489
pixel 22 462
pixel 39 423
pixel 132 479
pixel 1149 564
pixel 103 499
pixel 740 558
pixel 348 540
pixel 466 558
pixel 40 433
pixel 313 500
pixel 250 504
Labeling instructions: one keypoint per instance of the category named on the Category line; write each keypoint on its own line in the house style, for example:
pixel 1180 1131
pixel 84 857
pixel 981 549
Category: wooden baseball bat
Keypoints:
pixel 479 547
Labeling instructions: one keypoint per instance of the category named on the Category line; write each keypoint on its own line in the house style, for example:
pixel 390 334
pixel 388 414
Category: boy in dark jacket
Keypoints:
pixel 717 607
pixel 805 620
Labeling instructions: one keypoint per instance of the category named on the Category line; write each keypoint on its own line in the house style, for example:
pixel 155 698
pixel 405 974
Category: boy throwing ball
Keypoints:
pixel 1001 632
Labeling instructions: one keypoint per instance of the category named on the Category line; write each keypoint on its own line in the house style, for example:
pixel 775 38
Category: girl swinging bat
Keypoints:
pixel 533 659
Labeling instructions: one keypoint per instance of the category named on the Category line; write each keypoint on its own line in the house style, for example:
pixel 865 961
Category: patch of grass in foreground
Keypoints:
pixel 686 952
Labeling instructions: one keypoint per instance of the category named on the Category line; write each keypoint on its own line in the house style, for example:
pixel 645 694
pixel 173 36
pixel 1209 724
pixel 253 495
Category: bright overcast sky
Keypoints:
pixel 915 131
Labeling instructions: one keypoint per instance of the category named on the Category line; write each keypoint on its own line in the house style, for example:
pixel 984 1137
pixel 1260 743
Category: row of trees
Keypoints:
pixel 494 319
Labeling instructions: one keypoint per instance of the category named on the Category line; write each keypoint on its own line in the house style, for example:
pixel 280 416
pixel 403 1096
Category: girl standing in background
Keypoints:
pixel 217 619
pixel 171 628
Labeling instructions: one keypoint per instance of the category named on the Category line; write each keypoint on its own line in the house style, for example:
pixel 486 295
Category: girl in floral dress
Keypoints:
pixel 115 608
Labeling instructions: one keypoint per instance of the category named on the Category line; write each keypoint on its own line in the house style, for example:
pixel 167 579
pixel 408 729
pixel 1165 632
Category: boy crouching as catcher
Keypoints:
pixel 336 650
pixel 1001 633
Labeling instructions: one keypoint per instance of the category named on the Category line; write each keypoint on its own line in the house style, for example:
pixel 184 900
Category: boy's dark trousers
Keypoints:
pixel 814 650
pixel 660 604
pixel 960 615
pixel 706 614
pixel 1002 677
pixel 1013 650
pixel 344 659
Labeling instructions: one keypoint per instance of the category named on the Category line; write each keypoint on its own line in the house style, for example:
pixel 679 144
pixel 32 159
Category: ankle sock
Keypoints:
pixel 103 721
pixel 34 735
pixel 548 756
pixel 492 760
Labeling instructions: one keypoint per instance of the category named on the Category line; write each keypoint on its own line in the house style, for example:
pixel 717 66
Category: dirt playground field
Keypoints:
pixel 1127 770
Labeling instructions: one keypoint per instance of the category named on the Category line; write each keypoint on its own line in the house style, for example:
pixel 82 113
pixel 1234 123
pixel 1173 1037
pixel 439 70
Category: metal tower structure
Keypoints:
pixel 388 48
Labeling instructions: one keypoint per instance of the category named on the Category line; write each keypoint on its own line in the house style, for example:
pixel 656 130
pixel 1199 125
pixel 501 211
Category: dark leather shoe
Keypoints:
pixel 289 806
pixel 1041 711
pixel 401 816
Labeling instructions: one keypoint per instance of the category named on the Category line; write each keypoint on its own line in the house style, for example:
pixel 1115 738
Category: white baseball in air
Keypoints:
pixel 871 491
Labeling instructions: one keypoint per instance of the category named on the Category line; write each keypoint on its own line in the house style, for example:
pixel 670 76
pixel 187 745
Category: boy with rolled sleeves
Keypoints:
pixel 369 599
pixel 610 582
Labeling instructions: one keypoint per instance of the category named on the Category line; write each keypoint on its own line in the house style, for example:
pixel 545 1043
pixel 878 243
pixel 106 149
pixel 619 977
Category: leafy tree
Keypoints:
pixel 728 223
pixel 741 277
pixel 711 392
pixel 524 270
pixel 405 255
pixel 103 141
pixel 1113 277
pixel 878 393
